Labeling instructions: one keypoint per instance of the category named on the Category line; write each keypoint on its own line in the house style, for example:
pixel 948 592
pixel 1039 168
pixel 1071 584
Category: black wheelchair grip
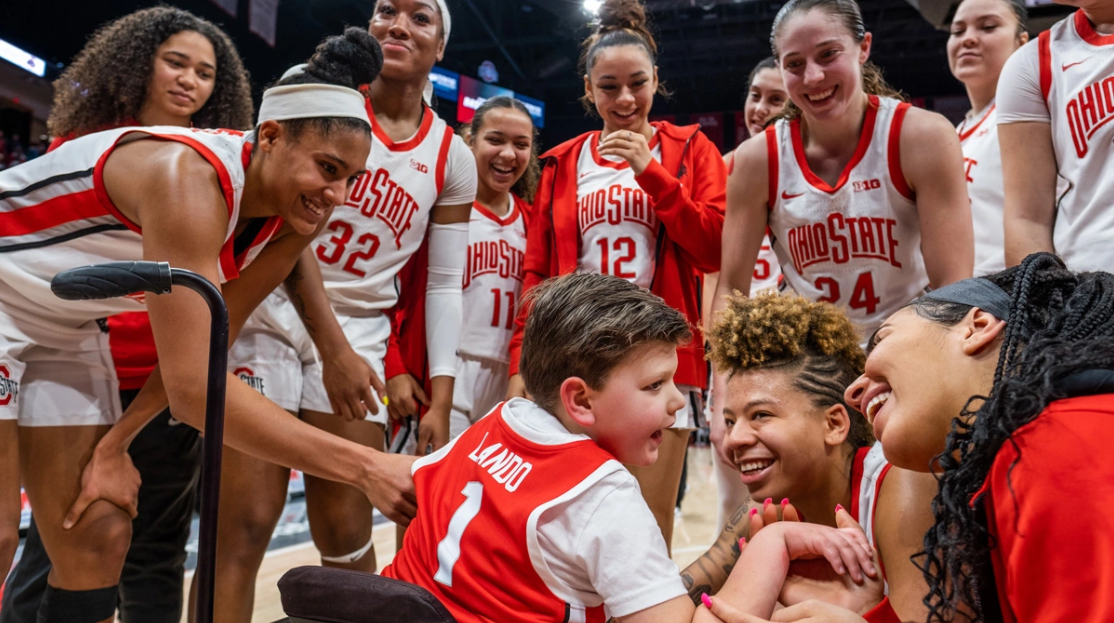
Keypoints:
pixel 111 280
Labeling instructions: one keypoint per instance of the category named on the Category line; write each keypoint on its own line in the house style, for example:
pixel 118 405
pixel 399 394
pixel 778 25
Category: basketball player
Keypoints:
pixel 791 435
pixel 193 77
pixel 984 33
pixel 766 98
pixel 1055 104
pixel 530 510
pixel 418 191
pixel 638 200
pixel 502 138
pixel 184 198
pixel 864 195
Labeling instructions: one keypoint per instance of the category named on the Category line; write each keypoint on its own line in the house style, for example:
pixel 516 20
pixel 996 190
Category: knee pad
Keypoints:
pixel 62 606
pixel 348 559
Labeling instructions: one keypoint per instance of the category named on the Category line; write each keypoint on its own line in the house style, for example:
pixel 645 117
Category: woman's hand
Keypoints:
pixel 807 612
pixel 630 146
pixel 516 387
pixel 433 430
pixel 349 382
pixel 846 549
pixel 404 394
pixel 109 475
pixel 815 580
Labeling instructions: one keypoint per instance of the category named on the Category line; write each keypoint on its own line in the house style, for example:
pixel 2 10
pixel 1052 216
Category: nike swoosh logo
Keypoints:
pixel 785 195
pixel 1069 65
pixel 582 175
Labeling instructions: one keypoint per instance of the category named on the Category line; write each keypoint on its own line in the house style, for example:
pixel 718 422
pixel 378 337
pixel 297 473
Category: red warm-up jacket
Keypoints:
pixel 688 188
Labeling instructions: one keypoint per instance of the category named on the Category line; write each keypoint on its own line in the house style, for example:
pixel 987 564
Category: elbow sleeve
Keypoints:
pixel 448 248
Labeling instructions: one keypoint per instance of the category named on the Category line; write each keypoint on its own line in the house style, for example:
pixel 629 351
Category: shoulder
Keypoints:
pixel 920 124
pixel 752 156
pixel 461 160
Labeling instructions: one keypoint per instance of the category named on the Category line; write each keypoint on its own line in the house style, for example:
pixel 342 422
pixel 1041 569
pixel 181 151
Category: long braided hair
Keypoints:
pixel 1060 323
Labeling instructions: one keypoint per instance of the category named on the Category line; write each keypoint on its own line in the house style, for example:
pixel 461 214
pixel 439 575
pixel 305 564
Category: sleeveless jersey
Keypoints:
pixel 767 271
pixel 475 544
pixel 384 220
pixel 982 161
pixel 1077 81
pixel 617 224
pixel 493 280
pixel 857 244
pixel 55 214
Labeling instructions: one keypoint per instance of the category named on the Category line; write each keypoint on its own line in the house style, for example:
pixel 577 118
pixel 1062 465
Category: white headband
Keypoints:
pixel 446 19
pixel 303 101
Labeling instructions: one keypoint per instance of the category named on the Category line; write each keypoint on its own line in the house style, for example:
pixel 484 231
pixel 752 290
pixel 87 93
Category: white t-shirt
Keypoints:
pixel 605 543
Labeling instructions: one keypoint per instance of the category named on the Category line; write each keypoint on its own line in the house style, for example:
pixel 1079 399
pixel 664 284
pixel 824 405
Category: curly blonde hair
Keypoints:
pixel 813 340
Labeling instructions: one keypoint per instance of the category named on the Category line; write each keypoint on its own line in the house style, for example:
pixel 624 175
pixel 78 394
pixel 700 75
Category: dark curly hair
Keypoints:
pixel 812 340
pixel 849 14
pixel 350 60
pixel 527 185
pixel 107 82
pixel 1060 323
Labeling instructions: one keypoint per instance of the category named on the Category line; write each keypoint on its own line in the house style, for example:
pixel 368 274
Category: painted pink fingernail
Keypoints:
pixel 707 601
pixel 742 542
pixel 785 501
pixel 839 507
pixel 753 512
pixel 768 502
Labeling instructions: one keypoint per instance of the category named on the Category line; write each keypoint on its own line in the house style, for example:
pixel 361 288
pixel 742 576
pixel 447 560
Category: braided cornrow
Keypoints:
pixel 1060 323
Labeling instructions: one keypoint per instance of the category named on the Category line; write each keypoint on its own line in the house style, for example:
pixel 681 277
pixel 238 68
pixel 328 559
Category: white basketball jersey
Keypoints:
pixel 767 270
pixel 618 226
pixel 867 472
pixel 55 214
pixel 857 244
pixel 493 281
pixel 982 161
pixel 1077 80
pixel 384 220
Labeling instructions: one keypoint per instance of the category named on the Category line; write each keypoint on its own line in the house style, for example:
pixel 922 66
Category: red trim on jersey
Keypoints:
pixel 893 153
pixel 965 134
pixel 408 144
pixel 874 513
pixel 860 151
pixel 772 162
pixel 1044 54
pixel 594 142
pixel 502 221
pixel 1087 31
pixel 51 213
pixel 857 479
pixel 200 148
pixel 443 159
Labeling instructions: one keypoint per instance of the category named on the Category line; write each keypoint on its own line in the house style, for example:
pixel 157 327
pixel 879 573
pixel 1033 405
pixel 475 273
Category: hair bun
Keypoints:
pixel 351 60
pixel 622 15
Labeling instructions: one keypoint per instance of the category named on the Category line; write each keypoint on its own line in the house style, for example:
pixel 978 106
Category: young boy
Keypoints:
pixel 529 514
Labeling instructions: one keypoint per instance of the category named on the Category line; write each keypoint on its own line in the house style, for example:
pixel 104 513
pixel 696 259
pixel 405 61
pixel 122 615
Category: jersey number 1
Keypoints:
pixel 448 550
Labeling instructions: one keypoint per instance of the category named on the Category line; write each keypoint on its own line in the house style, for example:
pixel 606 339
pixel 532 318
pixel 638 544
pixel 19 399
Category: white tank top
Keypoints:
pixel 1077 80
pixel 982 162
pixel 384 220
pixel 857 244
pixel 616 219
pixel 867 472
pixel 493 280
pixel 55 214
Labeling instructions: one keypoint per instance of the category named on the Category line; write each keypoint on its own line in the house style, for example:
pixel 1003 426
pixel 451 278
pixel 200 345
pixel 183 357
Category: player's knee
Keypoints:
pixel 253 532
pixel 101 539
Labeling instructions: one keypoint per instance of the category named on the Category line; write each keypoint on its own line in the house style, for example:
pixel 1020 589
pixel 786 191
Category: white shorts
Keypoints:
pixel 273 352
pixel 480 385
pixel 692 414
pixel 70 383
pixel 368 336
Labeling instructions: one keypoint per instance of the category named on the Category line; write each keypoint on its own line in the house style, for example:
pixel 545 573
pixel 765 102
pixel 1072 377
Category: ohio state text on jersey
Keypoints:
pixel 493 280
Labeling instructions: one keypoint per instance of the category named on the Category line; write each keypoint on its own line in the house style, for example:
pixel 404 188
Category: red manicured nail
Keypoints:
pixel 785 501
pixel 839 507
pixel 707 601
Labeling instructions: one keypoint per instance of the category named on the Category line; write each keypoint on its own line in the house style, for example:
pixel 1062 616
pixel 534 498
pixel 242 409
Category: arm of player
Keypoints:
pixel 694 221
pixel 902 517
pixel 1029 175
pixel 932 163
pixel 349 380
pixel 184 217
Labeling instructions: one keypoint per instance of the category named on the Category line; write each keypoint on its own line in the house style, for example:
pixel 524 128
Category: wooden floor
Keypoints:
pixel 693 533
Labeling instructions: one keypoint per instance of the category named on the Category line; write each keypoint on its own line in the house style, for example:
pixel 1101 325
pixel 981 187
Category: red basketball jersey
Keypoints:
pixel 475 545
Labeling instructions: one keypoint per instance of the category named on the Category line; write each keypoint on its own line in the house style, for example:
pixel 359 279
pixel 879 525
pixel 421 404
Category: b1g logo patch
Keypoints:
pixel 9 388
pixel 248 376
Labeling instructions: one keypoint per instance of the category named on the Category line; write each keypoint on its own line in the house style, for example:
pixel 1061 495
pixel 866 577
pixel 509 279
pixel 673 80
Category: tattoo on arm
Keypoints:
pixel 708 573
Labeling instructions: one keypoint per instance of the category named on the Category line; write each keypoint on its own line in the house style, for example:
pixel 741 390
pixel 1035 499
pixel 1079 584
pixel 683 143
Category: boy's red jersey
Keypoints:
pixel 475 544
